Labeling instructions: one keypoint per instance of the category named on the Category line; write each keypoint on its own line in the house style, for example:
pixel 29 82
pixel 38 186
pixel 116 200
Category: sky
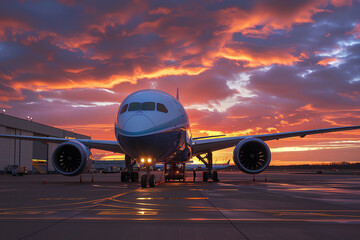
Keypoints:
pixel 242 67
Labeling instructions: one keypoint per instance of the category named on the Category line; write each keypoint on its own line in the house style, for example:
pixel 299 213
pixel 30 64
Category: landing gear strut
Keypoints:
pixel 208 174
pixel 129 173
pixel 145 178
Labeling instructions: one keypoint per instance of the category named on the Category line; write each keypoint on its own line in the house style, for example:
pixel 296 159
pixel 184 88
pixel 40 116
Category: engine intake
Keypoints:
pixel 252 155
pixel 71 158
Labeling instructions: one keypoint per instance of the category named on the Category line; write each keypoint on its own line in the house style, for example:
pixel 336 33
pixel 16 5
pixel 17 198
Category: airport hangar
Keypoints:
pixel 33 155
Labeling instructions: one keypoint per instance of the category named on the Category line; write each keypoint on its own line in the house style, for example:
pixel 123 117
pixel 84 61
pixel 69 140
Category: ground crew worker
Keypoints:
pixel 194 173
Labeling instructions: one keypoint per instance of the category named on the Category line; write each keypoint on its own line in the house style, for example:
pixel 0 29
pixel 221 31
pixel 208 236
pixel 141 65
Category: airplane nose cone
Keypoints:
pixel 138 124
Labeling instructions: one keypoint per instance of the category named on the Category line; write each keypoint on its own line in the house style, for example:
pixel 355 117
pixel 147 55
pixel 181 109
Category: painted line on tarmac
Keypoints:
pixel 138 213
pixel 93 202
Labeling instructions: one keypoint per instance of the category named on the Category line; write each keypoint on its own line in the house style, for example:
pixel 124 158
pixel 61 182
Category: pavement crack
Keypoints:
pixel 55 223
pixel 231 222
pixel 98 204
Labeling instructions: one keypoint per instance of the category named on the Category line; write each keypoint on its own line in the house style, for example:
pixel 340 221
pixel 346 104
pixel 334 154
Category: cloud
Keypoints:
pixel 327 61
pixel 241 67
pixel 356 31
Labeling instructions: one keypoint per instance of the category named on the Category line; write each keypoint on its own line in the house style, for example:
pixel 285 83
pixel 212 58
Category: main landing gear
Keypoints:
pixel 129 173
pixel 145 178
pixel 208 174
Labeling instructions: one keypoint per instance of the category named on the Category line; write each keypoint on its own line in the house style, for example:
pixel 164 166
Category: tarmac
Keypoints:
pixel 287 205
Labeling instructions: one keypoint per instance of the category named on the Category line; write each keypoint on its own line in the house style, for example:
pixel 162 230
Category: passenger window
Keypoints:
pixel 124 108
pixel 161 108
pixel 148 106
pixel 135 106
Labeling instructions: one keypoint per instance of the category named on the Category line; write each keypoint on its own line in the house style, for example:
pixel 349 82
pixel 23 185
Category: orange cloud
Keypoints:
pixel 269 17
pixel 325 62
pixel 78 70
pixel 113 80
pixel 339 3
pixel 308 107
pixel 161 10
pixel 255 58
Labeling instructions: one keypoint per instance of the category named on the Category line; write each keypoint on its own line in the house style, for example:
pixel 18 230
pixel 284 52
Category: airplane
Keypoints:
pixel 152 127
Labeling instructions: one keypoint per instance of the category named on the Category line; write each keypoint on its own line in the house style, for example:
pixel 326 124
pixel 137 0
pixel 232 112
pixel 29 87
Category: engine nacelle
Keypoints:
pixel 71 158
pixel 252 155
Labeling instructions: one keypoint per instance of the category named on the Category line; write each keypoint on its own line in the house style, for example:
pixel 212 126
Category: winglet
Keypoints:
pixel 177 94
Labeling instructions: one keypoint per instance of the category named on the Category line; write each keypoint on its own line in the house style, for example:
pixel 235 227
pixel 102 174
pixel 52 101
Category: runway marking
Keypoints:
pixel 214 189
pixel 226 189
pixel 117 186
pixel 27 212
pixel 155 204
pixel 140 212
pixel 188 198
pixel 94 202
pixel 313 214
pixel 50 199
pixel 126 207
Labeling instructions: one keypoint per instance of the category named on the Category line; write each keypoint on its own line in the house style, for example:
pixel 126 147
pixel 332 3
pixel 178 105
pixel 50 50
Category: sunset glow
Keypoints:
pixel 242 67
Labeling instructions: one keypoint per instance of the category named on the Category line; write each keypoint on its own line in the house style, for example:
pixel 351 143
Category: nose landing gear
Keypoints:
pixel 152 180
pixel 145 178
pixel 143 181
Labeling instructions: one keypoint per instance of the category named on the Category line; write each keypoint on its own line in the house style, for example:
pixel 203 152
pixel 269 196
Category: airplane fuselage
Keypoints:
pixel 152 124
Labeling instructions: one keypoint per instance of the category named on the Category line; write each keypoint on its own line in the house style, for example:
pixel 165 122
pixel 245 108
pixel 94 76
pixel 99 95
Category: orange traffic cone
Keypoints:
pixel 253 178
pixel 80 179
pixel 92 179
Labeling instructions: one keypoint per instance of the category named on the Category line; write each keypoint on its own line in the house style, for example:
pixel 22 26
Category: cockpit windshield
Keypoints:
pixel 161 108
pixel 145 106
pixel 124 108
pixel 135 106
pixel 148 106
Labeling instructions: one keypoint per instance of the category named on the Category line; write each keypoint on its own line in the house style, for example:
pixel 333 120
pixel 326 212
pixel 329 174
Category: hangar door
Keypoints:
pixel 40 156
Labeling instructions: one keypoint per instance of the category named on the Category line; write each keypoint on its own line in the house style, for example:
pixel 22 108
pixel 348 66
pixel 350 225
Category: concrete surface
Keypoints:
pixel 287 206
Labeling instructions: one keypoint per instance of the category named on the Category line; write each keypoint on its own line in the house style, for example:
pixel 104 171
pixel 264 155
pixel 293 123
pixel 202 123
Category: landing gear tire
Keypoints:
pixel 143 181
pixel 215 176
pixel 205 177
pixel 135 177
pixel 124 177
pixel 152 180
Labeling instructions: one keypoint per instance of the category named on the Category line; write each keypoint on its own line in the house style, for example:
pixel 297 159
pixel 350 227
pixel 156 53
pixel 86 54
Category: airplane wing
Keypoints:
pixel 209 145
pixel 112 146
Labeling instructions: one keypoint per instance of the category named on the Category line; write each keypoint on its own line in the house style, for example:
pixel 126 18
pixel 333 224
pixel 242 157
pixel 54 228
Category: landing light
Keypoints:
pixel 149 160
pixel 142 160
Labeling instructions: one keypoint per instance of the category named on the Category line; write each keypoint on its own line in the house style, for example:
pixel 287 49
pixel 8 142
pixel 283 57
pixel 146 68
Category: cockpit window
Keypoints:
pixel 135 106
pixel 124 108
pixel 161 108
pixel 148 106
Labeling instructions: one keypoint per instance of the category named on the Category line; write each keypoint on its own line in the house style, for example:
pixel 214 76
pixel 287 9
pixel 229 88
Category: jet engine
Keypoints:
pixel 71 158
pixel 252 155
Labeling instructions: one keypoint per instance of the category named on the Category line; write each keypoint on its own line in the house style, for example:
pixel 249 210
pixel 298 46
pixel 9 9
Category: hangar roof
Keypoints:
pixel 37 128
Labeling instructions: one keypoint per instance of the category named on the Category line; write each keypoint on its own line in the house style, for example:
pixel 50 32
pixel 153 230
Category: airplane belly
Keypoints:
pixel 158 146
